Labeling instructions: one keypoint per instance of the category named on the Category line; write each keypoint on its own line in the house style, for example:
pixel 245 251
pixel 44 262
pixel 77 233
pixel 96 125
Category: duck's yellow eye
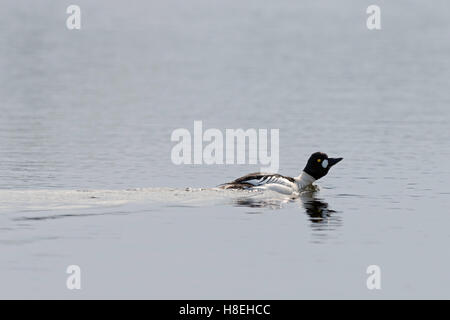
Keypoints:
pixel 319 160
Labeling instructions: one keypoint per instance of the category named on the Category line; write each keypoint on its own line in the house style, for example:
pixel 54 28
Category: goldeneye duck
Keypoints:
pixel 317 167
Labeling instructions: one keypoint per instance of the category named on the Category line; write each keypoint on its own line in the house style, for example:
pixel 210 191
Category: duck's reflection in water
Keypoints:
pixel 323 219
pixel 321 216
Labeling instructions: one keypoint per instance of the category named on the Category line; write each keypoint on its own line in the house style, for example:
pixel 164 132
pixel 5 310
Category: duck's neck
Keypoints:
pixel 304 180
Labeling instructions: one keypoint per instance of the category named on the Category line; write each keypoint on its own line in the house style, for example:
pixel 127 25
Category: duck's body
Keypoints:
pixel 318 166
pixel 268 181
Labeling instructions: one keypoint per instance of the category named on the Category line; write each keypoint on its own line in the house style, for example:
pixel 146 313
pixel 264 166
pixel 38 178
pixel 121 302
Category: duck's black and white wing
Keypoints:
pixel 258 179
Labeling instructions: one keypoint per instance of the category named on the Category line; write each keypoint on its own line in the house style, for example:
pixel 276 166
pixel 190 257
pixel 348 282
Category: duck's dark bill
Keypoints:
pixel 333 161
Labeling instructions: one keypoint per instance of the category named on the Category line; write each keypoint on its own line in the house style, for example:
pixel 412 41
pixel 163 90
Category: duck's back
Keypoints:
pixel 259 179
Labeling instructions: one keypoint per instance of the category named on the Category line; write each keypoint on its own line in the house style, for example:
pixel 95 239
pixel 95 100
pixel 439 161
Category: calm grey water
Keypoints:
pixel 86 176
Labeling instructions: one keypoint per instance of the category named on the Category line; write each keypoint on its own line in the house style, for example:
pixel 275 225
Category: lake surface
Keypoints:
pixel 86 176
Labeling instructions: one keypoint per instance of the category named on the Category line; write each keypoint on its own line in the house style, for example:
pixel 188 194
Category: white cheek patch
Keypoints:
pixel 325 163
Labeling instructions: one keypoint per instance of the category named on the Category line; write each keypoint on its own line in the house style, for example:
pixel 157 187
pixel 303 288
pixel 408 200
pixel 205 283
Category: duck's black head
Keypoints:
pixel 319 164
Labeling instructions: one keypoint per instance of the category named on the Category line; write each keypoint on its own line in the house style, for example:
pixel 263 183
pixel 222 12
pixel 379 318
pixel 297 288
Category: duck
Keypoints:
pixel 317 166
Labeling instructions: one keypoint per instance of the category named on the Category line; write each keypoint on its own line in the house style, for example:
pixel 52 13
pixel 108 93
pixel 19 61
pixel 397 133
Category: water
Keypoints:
pixel 85 170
